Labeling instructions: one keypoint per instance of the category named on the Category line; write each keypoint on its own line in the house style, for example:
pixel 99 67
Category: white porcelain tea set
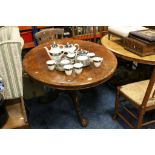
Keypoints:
pixel 70 58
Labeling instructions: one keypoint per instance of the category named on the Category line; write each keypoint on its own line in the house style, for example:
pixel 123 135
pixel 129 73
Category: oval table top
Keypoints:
pixel 115 46
pixel 34 64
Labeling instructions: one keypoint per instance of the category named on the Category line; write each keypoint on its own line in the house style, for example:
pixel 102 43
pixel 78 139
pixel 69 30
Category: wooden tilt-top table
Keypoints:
pixel 34 64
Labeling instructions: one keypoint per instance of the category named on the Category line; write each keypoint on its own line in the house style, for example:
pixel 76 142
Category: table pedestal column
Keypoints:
pixel 75 98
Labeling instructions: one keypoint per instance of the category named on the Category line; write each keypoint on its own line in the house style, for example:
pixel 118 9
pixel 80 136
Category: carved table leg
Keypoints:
pixel 83 121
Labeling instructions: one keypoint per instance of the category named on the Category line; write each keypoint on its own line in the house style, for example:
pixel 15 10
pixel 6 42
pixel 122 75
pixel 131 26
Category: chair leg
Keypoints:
pixel 116 104
pixel 140 118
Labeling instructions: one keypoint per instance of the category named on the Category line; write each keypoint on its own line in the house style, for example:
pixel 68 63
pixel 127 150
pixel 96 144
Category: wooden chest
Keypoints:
pixel 138 47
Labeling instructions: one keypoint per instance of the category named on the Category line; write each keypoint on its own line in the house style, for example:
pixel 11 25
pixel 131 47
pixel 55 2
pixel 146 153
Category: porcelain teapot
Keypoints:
pixel 71 48
pixel 55 52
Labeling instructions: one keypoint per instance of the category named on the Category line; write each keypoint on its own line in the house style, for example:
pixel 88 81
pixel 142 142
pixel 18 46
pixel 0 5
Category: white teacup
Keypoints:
pixel 78 68
pixel 71 55
pixel 68 69
pixel 83 59
pixel 97 61
pixel 51 64
pixel 91 55
pixel 64 62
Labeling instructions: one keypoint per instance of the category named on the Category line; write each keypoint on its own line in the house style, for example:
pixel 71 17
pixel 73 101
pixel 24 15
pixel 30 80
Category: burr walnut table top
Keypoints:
pixel 34 64
pixel 115 45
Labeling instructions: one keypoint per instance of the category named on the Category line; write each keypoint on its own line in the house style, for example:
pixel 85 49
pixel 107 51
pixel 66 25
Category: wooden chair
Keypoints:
pixel 141 95
pixel 49 34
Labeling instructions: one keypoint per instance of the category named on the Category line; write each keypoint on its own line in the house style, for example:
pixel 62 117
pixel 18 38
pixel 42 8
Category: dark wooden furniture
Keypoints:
pixel 138 47
pixel 90 33
pixel 140 94
pixel 34 64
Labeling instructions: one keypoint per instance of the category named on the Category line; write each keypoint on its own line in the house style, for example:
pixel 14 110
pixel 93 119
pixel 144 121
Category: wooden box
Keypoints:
pixel 138 47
